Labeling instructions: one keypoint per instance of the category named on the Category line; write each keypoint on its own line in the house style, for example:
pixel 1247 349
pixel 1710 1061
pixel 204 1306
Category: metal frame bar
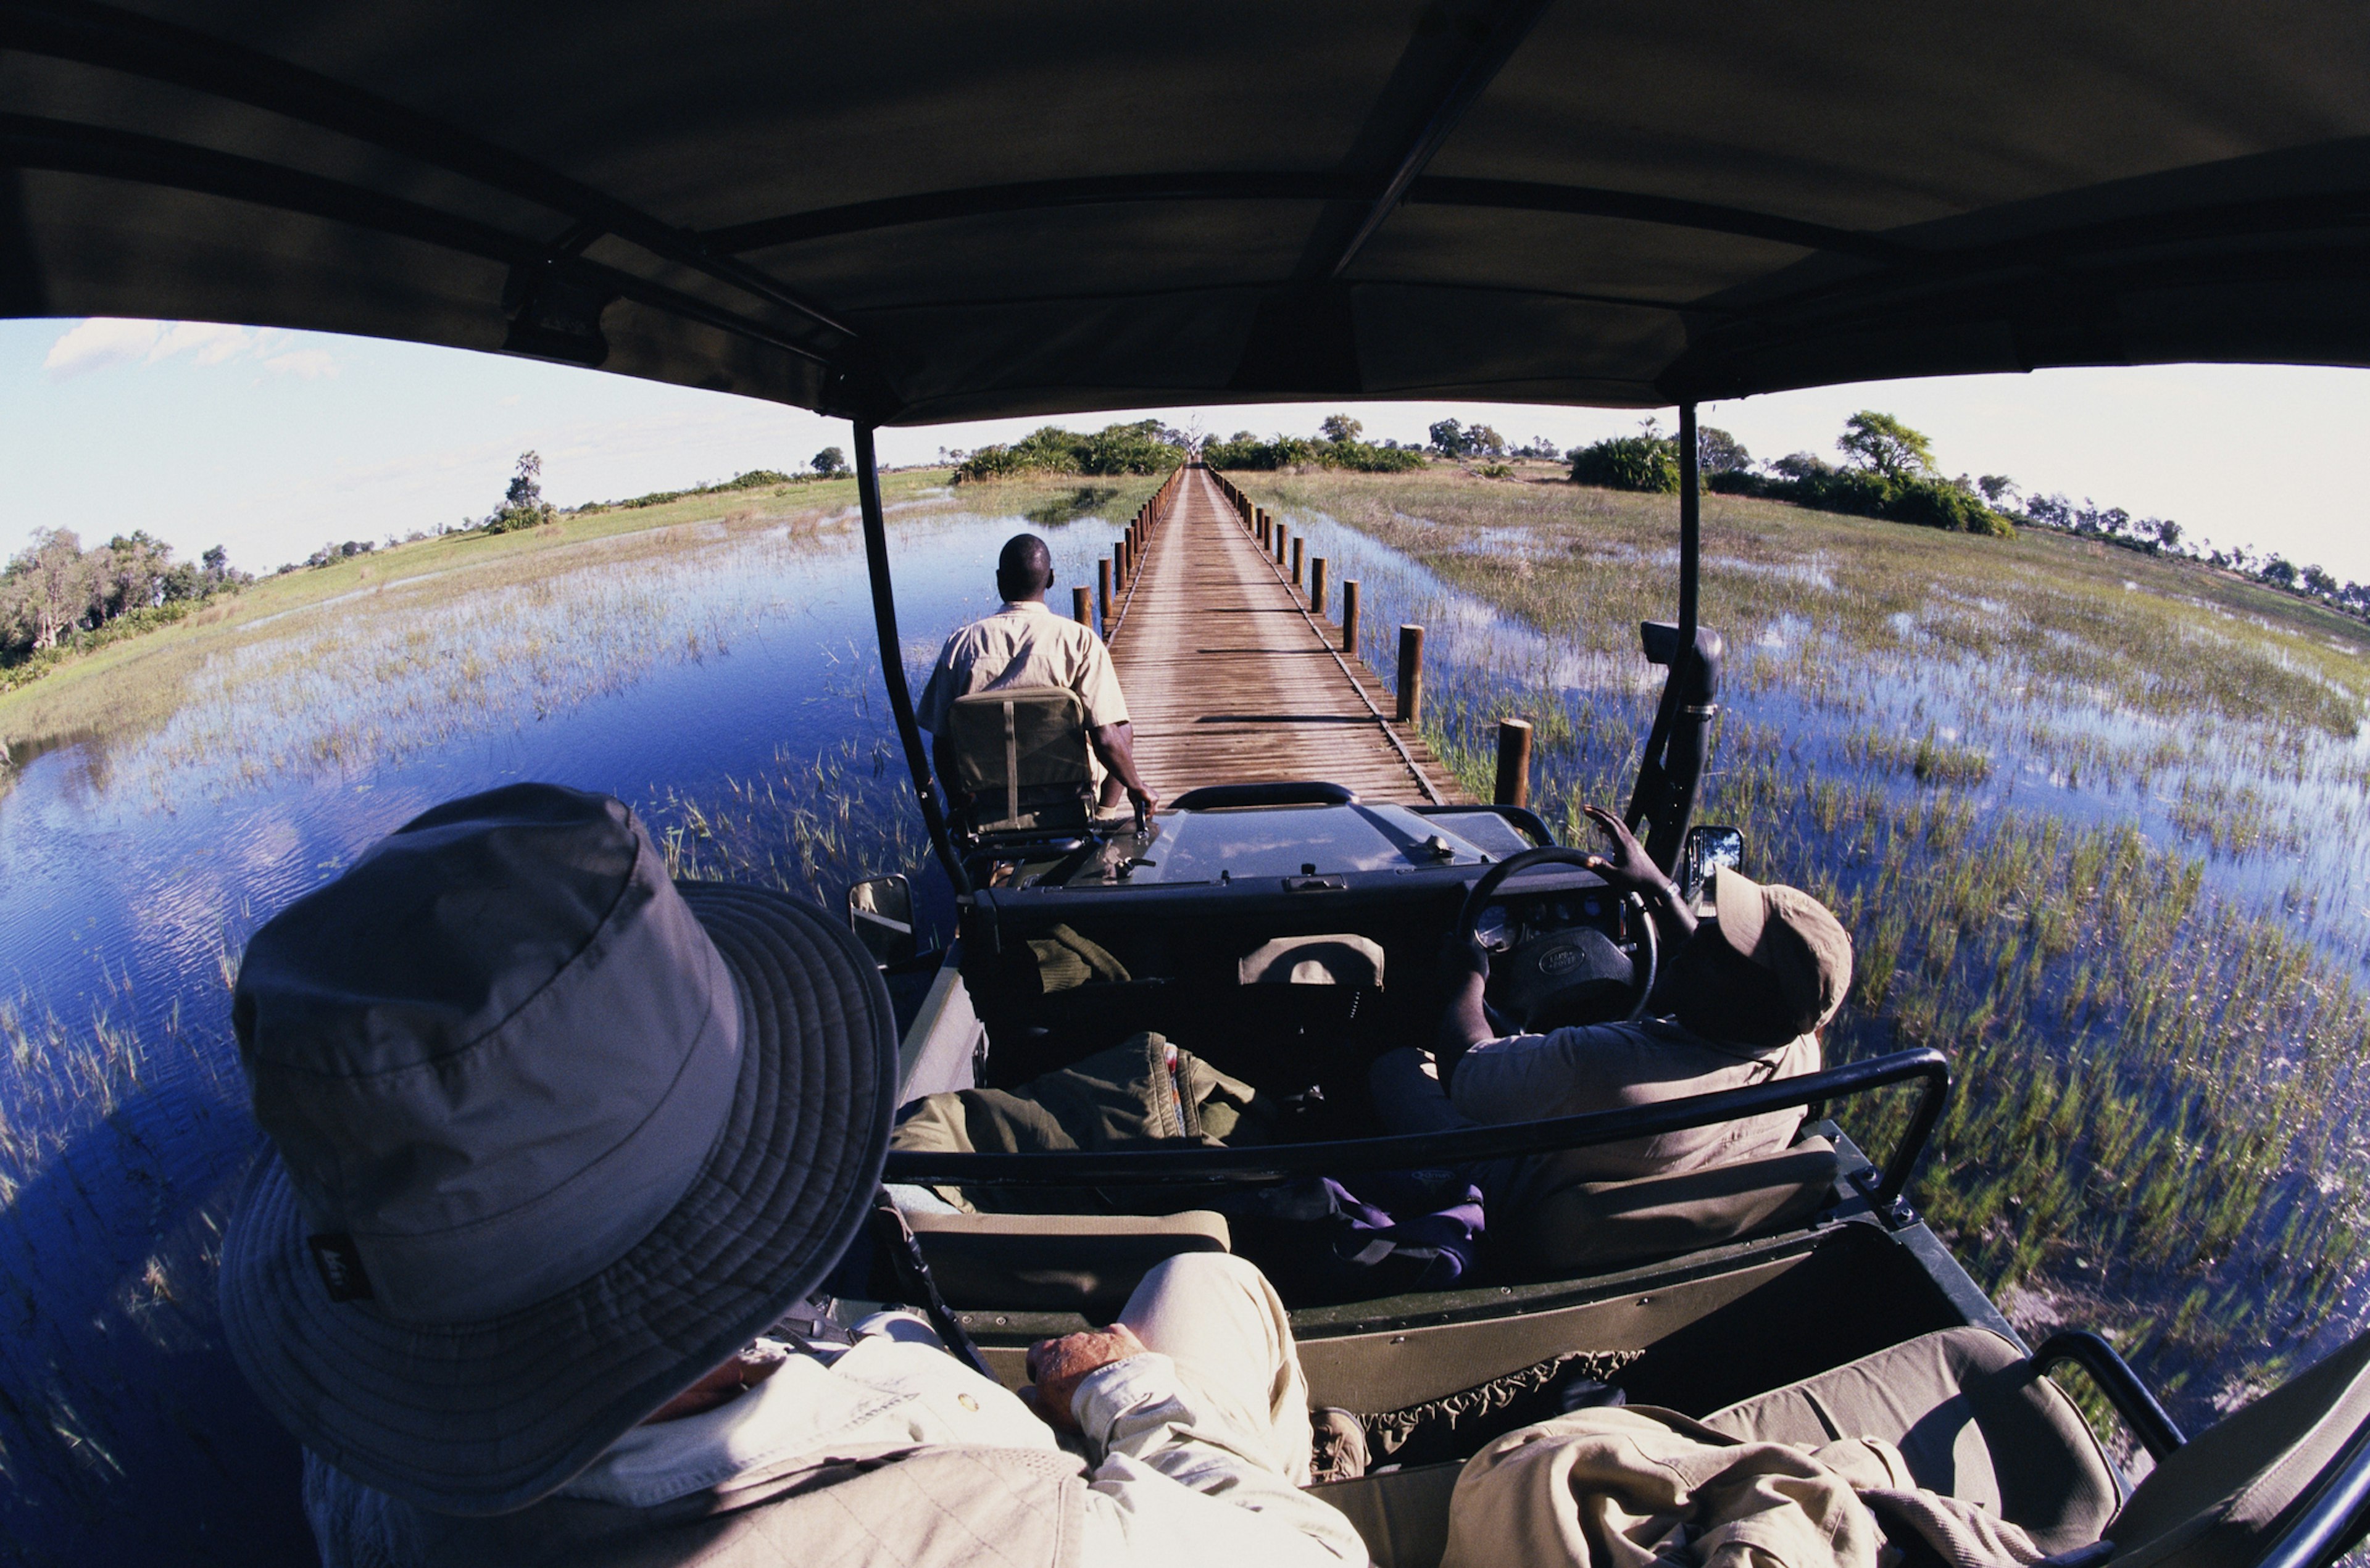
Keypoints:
pixel 116 39
pixel 1277 1163
pixel 1496 47
pixel 28 142
pixel 1427 190
pixel 2332 1521
pixel 1645 793
pixel 2156 1431
pixel 892 657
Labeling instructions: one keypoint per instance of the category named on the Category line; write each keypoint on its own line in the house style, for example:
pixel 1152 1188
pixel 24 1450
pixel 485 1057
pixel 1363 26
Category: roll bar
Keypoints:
pixel 892 657
pixel 1424 1150
pixel 2156 1431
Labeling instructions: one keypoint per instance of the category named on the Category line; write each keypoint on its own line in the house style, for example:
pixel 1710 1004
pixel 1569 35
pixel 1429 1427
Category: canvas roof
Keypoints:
pixel 917 212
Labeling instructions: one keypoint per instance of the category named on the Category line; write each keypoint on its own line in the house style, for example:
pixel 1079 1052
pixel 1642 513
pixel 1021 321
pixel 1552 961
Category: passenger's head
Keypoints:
pixel 547 1142
pixel 1024 570
pixel 1774 964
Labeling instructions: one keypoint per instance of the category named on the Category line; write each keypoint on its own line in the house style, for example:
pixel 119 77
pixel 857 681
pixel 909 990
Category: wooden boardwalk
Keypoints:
pixel 1231 679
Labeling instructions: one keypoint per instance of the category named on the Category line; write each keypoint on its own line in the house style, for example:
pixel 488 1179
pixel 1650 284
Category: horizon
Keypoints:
pixel 272 441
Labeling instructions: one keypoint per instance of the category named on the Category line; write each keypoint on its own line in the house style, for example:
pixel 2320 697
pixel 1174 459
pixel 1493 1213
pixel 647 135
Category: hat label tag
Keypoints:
pixel 341 1264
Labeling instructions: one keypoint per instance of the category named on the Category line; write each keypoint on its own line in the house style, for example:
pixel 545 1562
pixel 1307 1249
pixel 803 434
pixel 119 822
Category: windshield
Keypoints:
pixel 1294 841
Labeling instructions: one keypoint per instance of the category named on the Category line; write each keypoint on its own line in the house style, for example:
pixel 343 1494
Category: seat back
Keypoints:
pixel 1972 1418
pixel 1401 1515
pixel 1023 759
pixel 2223 1497
pixel 1595 1225
pixel 1057 1263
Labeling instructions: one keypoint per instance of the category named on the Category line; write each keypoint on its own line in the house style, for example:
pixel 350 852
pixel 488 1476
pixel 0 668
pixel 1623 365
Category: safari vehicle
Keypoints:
pixel 1041 208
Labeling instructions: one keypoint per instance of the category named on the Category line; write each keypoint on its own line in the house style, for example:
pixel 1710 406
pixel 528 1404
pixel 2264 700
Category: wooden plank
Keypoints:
pixel 1230 680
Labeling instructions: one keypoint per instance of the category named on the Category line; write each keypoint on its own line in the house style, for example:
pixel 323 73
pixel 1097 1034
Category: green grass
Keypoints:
pixel 2156 1132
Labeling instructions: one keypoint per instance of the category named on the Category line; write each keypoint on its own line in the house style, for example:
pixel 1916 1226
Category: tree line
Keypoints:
pixel 57 597
pixel 1888 472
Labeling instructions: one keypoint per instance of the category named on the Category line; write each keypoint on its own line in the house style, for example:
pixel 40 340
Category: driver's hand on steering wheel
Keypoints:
pixel 1629 869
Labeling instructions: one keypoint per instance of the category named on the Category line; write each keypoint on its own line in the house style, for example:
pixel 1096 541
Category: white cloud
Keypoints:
pixel 102 341
pixel 305 364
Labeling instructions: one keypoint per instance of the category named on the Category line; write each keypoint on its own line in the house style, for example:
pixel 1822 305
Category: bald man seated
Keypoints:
pixel 1025 645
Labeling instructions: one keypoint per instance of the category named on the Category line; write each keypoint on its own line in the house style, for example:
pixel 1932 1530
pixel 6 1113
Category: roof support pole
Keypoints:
pixel 1690 526
pixel 892 657
pixel 1677 746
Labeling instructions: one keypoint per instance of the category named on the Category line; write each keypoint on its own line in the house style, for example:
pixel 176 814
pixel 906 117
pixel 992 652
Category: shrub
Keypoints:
pixel 1244 451
pixel 1143 447
pixel 1858 492
pixel 1647 462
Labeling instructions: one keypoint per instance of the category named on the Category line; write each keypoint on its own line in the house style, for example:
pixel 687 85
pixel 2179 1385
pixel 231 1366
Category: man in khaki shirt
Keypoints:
pixel 1746 997
pixel 1025 645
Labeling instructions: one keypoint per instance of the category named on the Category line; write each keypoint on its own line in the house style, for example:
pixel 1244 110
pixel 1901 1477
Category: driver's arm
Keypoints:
pixel 1630 870
pixel 1463 1023
pixel 942 758
pixel 1115 744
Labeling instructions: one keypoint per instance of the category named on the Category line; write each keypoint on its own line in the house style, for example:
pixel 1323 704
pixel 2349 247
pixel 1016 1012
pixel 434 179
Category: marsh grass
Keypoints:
pixel 2087 818
pixel 120 1141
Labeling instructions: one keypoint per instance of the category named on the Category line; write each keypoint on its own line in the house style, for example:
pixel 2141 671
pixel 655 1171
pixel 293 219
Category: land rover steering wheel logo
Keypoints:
pixel 1556 960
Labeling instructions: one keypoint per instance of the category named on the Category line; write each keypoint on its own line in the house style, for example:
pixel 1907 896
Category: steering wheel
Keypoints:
pixel 1529 978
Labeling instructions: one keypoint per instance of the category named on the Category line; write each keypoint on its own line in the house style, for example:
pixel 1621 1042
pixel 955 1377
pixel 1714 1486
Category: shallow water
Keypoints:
pixel 729 690
pixel 135 870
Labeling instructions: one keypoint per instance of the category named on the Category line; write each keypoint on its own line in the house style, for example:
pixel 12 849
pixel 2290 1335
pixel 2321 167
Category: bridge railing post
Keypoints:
pixel 1316 584
pixel 1102 585
pixel 1410 709
pixel 1349 615
pixel 1299 548
pixel 1513 782
pixel 1082 606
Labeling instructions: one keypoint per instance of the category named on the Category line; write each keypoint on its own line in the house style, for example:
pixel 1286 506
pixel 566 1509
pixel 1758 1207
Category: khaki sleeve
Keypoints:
pixel 939 694
pixel 1098 686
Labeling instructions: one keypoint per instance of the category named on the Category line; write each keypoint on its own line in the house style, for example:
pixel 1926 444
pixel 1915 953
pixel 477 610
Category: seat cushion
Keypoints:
pixel 1053 1263
pixel 2219 1500
pixel 1597 1225
pixel 1401 1515
pixel 1973 1419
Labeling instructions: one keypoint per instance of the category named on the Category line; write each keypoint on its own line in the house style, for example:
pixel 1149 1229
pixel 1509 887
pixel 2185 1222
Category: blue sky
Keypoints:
pixel 272 443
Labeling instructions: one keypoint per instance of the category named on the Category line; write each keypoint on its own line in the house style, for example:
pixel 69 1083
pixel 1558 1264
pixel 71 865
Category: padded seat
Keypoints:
pixel 1057 1263
pixel 1401 1515
pixel 1023 758
pixel 1591 1226
pixel 2225 1497
pixel 1972 1417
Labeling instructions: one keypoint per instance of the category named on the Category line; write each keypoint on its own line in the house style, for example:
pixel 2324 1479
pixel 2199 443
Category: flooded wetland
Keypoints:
pixel 2092 818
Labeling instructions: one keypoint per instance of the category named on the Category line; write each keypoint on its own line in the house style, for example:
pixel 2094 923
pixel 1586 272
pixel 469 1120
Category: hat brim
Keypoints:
pixel 487 1417
pixel 1738 911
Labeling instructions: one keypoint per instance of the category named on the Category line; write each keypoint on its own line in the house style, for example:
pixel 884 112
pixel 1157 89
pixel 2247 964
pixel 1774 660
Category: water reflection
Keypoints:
pixel 720 677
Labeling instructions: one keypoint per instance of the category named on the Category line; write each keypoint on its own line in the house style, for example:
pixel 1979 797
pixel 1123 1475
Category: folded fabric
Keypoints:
pixel 1634 1486
pixel 1373 1234
pixel 1138 1094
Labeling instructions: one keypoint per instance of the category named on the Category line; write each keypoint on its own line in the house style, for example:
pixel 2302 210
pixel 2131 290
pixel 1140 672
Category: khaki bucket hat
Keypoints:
pixel 551 1137
pixel 1793 936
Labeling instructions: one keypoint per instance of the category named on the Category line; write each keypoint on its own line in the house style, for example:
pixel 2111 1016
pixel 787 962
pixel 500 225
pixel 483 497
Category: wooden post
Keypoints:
pixel 1299 548
pixel 1119 550
pixel 1513 787
pixel 1282 536
pixel 1102 585
pixel 1082 605
pixel 1410 674
pixel 1316 584
pixel 1350 616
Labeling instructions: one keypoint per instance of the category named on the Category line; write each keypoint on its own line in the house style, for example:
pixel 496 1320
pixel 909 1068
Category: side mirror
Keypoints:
pixel 881 913
pixel 1705 851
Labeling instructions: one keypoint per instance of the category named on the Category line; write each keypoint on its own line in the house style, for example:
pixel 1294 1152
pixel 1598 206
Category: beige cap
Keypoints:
pixel 1790 934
